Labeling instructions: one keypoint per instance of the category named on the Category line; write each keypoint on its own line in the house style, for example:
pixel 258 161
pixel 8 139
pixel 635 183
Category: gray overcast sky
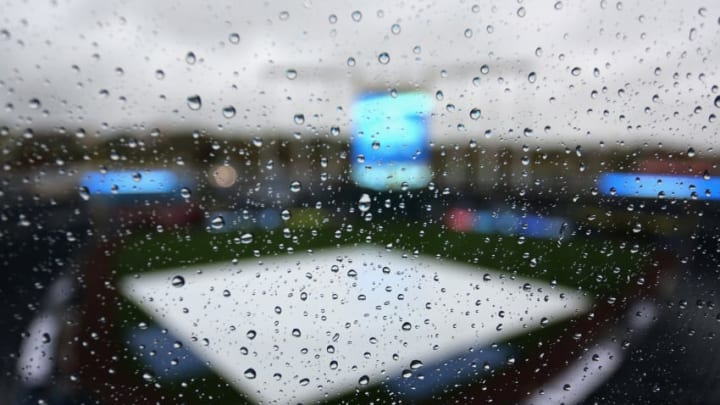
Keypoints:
pixel 626 42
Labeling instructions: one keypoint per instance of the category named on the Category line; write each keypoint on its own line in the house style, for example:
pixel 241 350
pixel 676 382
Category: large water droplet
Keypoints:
pixel 356 15
pixel 190 58
pixel 218 222
pixel 406 326
pixel 228 111
pixel 291 74
pixel 364 203
pixel 185 192
pixel 84 193
pixel 299 119
pixel 234 38
pixel 194 102
pixel 637 228
pixel 364 380
pixel 178 281
pixel 576 71
pixel 475 113
pixel 384 58
pixel 295 186
pixel 250 373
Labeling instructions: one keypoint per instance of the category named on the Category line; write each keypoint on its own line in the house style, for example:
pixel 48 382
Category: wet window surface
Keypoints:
pixel 337 202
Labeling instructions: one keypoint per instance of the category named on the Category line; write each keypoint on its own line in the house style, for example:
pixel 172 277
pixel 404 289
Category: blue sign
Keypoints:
pixel 130 182
pixel 390 141
pixel 640 185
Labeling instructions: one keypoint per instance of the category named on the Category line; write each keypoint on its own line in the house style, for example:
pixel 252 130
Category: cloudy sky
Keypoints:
pixel 571 72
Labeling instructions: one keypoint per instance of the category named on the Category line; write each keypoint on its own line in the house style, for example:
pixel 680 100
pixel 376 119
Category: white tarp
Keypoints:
pixel 279 316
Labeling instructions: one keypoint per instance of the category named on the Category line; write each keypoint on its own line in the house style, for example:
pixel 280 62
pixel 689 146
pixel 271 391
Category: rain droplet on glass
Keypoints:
pixel 178 281
pixel 228 111
pixel 364 203
pixel 384 58
pixel 194 102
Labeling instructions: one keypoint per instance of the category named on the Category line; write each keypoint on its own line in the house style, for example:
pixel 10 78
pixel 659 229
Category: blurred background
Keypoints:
pixel 200 202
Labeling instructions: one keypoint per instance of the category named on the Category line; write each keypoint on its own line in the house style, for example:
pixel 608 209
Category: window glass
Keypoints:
pixel 379 202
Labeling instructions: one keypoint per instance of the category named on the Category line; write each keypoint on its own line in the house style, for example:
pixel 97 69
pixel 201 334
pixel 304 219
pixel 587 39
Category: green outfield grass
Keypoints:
pixel 598 266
